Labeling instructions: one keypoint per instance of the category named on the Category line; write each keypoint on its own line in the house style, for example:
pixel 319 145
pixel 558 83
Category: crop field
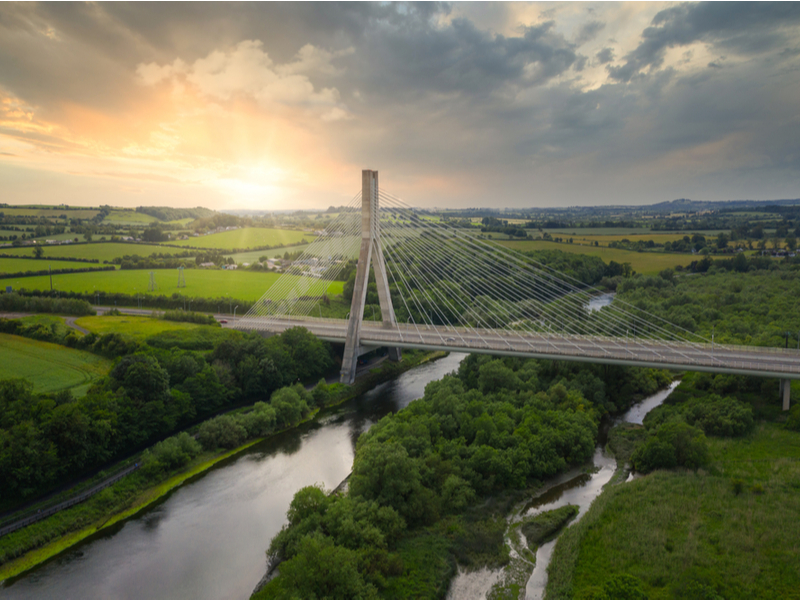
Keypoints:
pixel 249 237
pixel 658 238
pixel 648 263
pixel 202 283
pixel 50 367
pixel 52 213
pixel 9 266
pixel 101 251
pixel 133 326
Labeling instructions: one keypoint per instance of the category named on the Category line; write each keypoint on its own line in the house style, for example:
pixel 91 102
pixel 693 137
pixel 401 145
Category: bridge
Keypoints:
pixel 451 290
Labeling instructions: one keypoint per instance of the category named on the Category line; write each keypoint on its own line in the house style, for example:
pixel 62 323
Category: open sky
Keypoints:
pixel 277 106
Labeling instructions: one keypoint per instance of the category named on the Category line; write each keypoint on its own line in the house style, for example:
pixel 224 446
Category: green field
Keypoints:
pixel 20 265
pixel 52 213
pixel 135 327
pixel 49 366
pixel 687 534
pixel 101 251
pixel 128 217
pixel 648 263
pixel 254 255
pixel 249 237
pixel 242 285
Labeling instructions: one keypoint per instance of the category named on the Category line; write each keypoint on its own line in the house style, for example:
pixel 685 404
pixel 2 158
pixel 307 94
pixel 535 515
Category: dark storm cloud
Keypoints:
pixel 605 55
pixel 743 27
pixel 589 31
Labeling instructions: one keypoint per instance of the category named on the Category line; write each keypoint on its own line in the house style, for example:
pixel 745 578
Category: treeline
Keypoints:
pixel 497 424
pixel 16 302
pixel 55 272
pixel 744 301
pixel 190 317
pixel 173 302
pixel 49 439
pixel 59 258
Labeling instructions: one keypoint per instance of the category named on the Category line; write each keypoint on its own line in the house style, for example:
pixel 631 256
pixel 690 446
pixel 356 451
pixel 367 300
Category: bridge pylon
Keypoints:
pixel 371 253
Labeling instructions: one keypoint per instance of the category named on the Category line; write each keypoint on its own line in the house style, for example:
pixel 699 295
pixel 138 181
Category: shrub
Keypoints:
pixel 673 444
pixel 222 432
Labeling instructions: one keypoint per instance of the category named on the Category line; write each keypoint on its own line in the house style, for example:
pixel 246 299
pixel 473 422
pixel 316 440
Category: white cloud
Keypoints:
pixel 247 69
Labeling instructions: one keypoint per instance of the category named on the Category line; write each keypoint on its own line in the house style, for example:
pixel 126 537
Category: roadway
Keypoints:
pixel 740 360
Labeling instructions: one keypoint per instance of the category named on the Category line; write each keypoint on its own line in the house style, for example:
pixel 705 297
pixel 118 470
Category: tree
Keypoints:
pixel 38 252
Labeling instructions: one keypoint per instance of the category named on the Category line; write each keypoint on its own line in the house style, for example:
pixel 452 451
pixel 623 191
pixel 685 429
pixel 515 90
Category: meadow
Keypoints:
pixel 21 265
pixel 249 237
pixel 728 531
pixel 101 251
pixel 254 255
pixel 648 263
pixel 50 367
pixel 129 217
pixel 203 283
pixel 53 212
pixel 139 328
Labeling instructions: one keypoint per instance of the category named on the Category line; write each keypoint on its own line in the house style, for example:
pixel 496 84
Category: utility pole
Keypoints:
pixel 50 268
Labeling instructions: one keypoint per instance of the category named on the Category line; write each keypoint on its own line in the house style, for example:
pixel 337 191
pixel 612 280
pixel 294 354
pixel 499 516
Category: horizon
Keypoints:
pixel 529 105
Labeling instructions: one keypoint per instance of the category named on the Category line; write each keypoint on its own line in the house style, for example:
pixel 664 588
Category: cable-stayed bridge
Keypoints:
pixel 438 287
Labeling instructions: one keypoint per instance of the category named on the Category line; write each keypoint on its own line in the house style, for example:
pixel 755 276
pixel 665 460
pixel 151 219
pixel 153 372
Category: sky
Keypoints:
pixel 280 106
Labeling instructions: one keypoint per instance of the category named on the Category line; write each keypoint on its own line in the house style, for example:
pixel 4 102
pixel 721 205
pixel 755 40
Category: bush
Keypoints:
pixel 673 444
pixel 170 454
pixel 720 416
pixel 221 432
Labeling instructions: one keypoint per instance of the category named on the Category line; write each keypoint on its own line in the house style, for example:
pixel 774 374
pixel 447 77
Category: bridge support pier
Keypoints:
pixel 371 252
pixel 786 390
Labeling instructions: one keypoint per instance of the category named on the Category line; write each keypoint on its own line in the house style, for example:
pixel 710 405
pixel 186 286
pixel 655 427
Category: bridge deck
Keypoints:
pixel 743 360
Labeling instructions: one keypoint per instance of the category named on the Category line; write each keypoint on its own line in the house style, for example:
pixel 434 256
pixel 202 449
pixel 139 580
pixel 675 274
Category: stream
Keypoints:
pixel 576 486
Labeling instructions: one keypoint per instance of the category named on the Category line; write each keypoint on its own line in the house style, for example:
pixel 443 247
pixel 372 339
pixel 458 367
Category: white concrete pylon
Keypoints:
pixel 371 253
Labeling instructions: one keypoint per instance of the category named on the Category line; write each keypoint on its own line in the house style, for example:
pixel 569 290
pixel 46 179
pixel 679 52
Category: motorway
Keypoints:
pixel 740 360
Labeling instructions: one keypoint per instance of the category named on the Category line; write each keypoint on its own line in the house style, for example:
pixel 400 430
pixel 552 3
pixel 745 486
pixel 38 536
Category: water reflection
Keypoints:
pixel 207 540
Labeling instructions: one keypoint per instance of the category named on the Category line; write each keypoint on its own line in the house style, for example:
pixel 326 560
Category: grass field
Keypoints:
pixel 648 263
pixel 101 251
pixel 52 213
pixel 136 327
pixel 20 265
pixel 658 238
pixel 126 217
pixel 249 237
pixel 242 285
pixel 679 530
pixel 49 366
pixel 254 255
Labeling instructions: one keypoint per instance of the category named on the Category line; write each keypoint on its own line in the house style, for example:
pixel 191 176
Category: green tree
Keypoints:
pixel 38 251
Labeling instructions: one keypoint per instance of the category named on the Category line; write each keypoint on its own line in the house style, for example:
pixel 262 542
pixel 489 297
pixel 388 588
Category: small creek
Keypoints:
pixel 577 487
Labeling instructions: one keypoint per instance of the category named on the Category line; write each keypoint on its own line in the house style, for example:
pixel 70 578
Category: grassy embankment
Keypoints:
pixel 202 283
pixel 730 530
pixel 32 545
pixel 51 367
pixel 647 263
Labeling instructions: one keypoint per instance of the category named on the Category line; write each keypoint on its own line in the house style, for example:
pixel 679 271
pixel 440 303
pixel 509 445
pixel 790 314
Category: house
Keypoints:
pixel 207 264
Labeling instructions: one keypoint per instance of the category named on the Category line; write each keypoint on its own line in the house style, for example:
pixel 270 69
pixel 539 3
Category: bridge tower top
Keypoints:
pixel 371 253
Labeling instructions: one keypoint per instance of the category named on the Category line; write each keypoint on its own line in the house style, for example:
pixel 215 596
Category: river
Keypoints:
pixel 208 538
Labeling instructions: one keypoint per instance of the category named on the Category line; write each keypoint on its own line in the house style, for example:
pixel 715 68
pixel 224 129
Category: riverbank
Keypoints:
pixel 137 500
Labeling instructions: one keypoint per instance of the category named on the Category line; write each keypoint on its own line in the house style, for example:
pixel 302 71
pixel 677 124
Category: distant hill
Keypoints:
pixel 686 205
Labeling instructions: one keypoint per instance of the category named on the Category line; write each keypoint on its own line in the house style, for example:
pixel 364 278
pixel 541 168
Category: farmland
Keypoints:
pixel 243 285
pixel 54 212
pixel 254 255
pixel 648 263
pixel 129 217
pixel 101 251
pixel 20 265
pixel 50 367
pixel 249 237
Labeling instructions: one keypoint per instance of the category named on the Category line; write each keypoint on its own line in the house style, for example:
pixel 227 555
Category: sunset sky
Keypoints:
pixel 279 106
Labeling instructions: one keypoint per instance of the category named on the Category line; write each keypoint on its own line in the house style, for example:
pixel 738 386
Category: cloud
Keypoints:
pixel 605 55
pixel 588 32
pixel 742 27
pixel 247 69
